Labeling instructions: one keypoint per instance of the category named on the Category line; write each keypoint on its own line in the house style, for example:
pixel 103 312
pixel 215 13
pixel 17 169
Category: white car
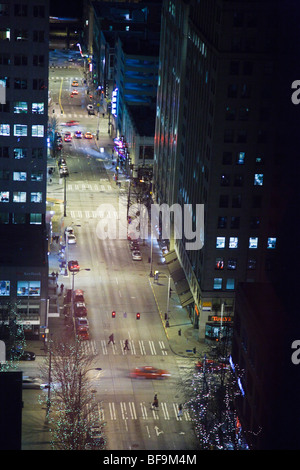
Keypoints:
pixel 32 383
pixel 90 109
pixel 82 321
pixel 71 239
pixel 136 256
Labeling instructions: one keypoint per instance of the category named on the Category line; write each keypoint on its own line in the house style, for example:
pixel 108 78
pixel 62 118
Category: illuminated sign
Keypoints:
pixel 220 319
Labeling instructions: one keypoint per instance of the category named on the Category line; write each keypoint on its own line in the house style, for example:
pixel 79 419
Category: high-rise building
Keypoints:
pixel 24 39
pixel 218 143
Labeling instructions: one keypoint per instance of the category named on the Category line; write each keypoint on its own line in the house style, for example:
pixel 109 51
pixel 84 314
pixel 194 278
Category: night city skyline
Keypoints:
pixel 149 226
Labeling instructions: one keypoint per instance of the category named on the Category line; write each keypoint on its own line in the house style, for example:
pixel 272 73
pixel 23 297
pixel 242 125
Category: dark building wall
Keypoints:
pixel 10 410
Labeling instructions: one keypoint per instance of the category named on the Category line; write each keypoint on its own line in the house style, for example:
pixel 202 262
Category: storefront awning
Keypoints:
pixel 181 284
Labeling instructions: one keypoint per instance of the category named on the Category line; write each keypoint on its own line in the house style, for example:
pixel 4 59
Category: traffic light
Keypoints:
pixel 113 314
pixel 138 316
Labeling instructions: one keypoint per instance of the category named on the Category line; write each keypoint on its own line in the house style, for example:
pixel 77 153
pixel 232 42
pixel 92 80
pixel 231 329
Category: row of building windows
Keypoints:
pixel 38 60
pixel 24 288
pixel 5 175
pixel 20 152
pixel 233 242
pixel 20 83
pixel 20 218
pixel 240 136
pixel 21 196
pixel 236 201
pixel 37 130
pixel 23 10
pixel 239 158
pixel 21 107
pixel 22 35
pixel 234 222
pixel 238 180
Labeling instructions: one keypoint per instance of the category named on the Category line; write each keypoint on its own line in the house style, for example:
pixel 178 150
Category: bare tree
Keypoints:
pixel 72 408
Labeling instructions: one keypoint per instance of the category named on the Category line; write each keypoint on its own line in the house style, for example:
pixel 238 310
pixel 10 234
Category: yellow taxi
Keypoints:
pixel 74 83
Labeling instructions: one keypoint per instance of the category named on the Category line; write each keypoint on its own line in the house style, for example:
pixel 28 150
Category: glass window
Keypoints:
pixel 36 218
pixel 240 158
pixel 37 130
pixel 231 263
pixel 21 35
pixel 271 243
pixel 4 218
pixel 223 200
pixel 28 288
pixel 4 152
pixel 222 222
pixel 219 263
pixel 217 283
pixel 251 263
pixel 4 129
pixel 4 196
pixel 36 197
pixel 220 242
pixel 4 175
pixel 37 176
pixel 5 288
pixel 230 284
pixel 37 108
pixel 253 242
pixel 37 152
pixel 20 153
pixel 20 84
pixel 19 218
pixel 20 129
pixel 258 179
pixel 225 180
pixel 233 242
pixel 19 196
pixel 20 107
pixel 235 222
pixel 19 176
pixel 4 34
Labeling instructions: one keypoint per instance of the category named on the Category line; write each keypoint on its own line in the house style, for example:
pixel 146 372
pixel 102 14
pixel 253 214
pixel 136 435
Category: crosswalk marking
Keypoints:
pixel 132 411
pixel 141 348
pixel 89 187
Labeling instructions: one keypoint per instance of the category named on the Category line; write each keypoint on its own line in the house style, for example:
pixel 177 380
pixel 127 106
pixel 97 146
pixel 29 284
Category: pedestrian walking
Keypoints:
pixel 126 348
pixel 180 411
pixel 111 339
pixel 61 288
pixel 155 402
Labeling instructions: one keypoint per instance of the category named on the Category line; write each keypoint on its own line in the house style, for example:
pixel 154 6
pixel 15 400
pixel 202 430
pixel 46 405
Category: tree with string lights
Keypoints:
pixel 72 411
pixel 12 334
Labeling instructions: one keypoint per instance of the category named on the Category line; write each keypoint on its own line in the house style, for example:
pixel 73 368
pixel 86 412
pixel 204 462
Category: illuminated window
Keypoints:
pixel 37 176
pixel 5 288
pixel 231 263
pixel 219 263
pixel 36 219
pixel 20 153
pixel 233 242
pixel 20 107
pixel 36 197
pixel 19 218
pixel 271 243
pixel 20 130
pixel 240 158
pixel 19 196
pixel 4 129
pixel 28 288
pixel 230 284
pixel 217 283
pixel 253 242
pixel 258 179
pixel 37 130
pixel 38 108
pixel 4 34
pixel 220 242
pixel 4 196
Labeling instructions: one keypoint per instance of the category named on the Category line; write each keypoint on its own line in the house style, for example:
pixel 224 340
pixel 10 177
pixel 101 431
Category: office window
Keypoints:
pixel 38 36
pixel 232 90
pixel 36 197
pixel 241 136
pixel 4 10
pixel 4 107
pixel 38 60
pixel 246 91
pixel 39 11
pixel 4 152
pixel 235 222
pixel 225 180
pixel 234 68
pixel 220 242
pixel 4 175
pixel 232 263
pixel 20 153
pixel 228 135
pixel 5 288
pixel 4 34
pixel 254 222
pixel 251 263
pixel 248 68
pixel 37 153
pixel 37 130
pixel 20 10
pixel 233 242
pixel 238 180
pixel 253 242
pixel 258 179
pixel 36 218
pixel 4 218
pixel 19 196
pixel 4 58
pixel 230 284
pixel 21 35
pixel 217 283
pixel 20 107
pixel 37 176
pixel 237 201
pixel 240 160
pixel 223 200
pixel 4 82
pixel 222 222
pixel 4 129
pixel 38 108
pixel 271 243
pixel 230 114
pixel 29 288
pixel 20 84
pixel 19 176
pixel 227 158
pixel 219 263
pixel 4 196
pixel 38 84
pixel 18 218
pixel 20 60
pixel 20 130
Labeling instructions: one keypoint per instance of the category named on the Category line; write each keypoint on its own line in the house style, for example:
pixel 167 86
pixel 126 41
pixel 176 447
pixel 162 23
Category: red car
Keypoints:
pixel 67 137
pixel 148 372
pixel 210 366
pixel 72 123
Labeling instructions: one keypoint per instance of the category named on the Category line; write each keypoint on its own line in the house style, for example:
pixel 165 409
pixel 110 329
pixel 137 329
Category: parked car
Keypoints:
pixel 82 322
pixel 73 266
pixel 149 372
pixel 83 333
pixel 78 295
pixel 80 309
pixel 71 239
pixel 136 256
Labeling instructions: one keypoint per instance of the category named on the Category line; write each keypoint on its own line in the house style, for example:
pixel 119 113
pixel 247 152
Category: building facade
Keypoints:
pixel 24 34
pixel 216 144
